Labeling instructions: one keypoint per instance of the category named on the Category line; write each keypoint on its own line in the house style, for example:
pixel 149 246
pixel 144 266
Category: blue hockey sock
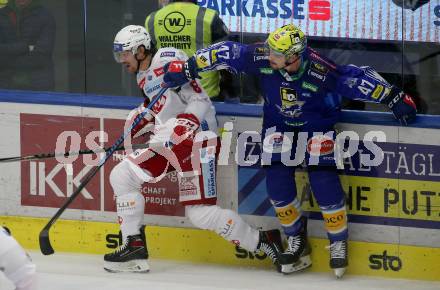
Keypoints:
pixel 281 187
pixel 330 196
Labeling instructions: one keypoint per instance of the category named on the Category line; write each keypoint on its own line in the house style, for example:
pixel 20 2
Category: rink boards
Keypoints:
pixel 394 209
pixel 199 246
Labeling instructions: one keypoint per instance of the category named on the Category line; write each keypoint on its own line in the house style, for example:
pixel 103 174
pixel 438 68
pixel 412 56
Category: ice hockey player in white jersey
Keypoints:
pixel 15 263
pixel 178 118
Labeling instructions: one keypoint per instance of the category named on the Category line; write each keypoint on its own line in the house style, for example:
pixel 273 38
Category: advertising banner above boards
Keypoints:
pixel 396 20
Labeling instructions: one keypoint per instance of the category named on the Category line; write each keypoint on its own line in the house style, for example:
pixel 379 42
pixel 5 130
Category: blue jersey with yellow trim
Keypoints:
pixel 308 100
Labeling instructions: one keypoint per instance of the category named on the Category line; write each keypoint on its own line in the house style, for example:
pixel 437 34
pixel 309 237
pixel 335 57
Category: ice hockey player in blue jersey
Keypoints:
pixel 302 92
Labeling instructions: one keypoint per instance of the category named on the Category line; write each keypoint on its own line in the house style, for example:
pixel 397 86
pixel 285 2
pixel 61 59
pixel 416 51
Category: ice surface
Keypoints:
pixel 85 272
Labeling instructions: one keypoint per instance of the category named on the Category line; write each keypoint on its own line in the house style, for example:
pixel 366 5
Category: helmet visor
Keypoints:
pixel 119 53
pixel 274 52
pixel 122 56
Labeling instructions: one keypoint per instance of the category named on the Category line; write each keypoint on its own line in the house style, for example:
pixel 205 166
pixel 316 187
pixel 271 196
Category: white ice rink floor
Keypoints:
pixel 84 272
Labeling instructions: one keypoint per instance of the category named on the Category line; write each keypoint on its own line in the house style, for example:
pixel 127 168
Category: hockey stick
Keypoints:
pixel 67 154
pixel 45 246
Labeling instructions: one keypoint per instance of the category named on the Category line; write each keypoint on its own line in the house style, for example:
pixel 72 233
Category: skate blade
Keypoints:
pixel 303 263
pixel 339 272
pixel 135 266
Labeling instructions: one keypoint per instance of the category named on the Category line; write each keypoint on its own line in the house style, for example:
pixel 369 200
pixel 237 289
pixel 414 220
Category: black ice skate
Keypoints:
pixel 339 257
pixel 130 257
pixel 297 255
pixel 270 244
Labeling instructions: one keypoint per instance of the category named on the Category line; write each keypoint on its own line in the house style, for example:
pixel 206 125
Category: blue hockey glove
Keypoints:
pixel 178 73
pixel 402 105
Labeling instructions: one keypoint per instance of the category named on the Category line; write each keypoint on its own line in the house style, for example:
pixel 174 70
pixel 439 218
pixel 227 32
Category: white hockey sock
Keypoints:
pixel 224 222
pixel 130 203
pixel 130 209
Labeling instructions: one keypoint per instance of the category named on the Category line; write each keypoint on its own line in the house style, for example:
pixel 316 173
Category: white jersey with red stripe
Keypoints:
pixel 190 98
pixel 197 185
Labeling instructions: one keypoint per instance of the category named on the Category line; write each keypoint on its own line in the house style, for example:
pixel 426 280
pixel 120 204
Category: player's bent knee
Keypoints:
pixel 116 175
pixel 123 180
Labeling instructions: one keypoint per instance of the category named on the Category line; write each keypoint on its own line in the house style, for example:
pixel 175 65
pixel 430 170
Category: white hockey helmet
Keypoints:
pixel 128 39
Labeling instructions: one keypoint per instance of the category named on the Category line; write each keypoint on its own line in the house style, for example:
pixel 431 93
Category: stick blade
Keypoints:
pixel 45 246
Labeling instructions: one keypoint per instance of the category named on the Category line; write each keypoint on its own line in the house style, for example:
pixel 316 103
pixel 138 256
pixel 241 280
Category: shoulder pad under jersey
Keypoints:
pixel 319 66
pixel 150 80
pixel 315 57
pixel 260 52
pixel 167 54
